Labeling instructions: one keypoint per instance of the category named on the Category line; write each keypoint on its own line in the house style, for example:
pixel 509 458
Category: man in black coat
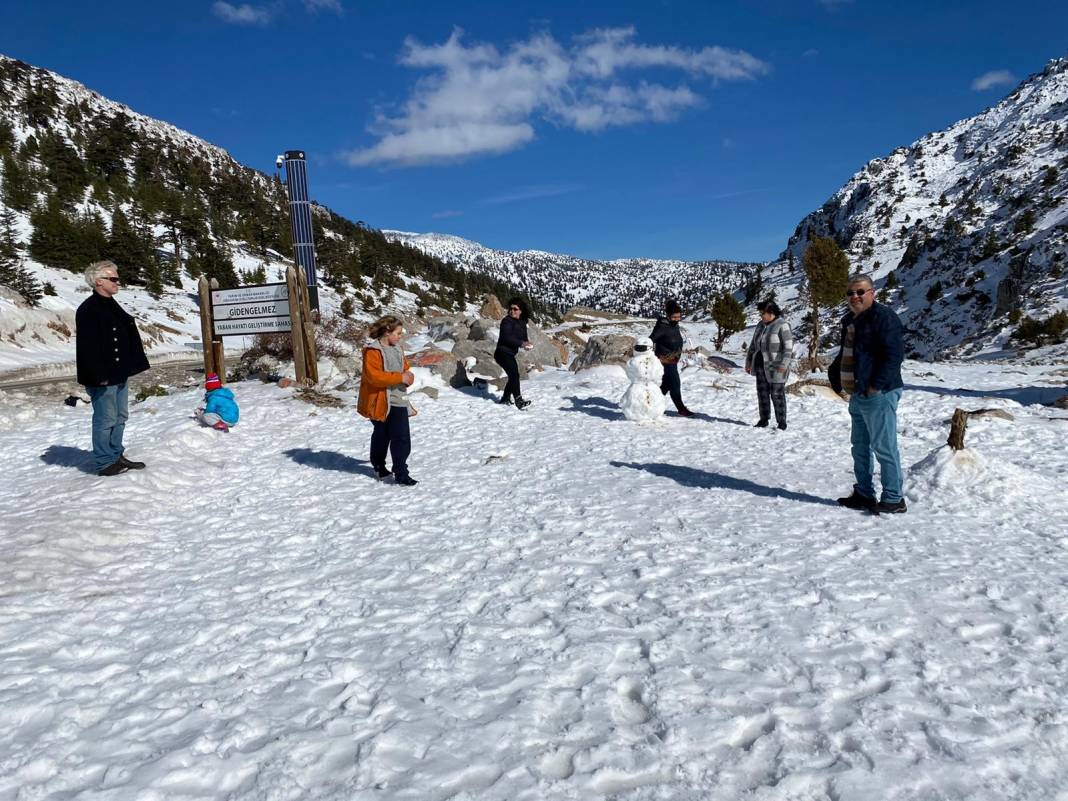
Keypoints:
pixel 868 367
pixel 109 351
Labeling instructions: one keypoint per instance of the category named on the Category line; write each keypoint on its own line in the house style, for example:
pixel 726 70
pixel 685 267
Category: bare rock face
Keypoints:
pixel 448 326
pixel 484 329
pixel 442 363
pixel 604 349
pixel 492 308
pixel 545 352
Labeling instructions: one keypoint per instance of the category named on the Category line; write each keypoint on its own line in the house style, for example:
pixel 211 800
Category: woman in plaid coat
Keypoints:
pixel 769 357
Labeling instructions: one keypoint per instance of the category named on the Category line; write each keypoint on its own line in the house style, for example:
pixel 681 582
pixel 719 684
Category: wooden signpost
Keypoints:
pixel 259 309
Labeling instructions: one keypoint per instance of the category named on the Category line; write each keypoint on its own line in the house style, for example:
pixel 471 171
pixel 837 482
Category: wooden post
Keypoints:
pixel 307 329
pixel 957 427
pixel 206 325
pixel 296 331
pixel 218 354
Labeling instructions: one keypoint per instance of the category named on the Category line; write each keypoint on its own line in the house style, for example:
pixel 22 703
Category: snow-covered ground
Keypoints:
pixel 567 606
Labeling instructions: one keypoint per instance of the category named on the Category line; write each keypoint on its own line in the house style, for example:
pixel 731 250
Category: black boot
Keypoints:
pixel 521 404
pixel 859 502
pixel 113 469
pixel 131 464
pixel 892 508
pixel 761 424
pixel 505 401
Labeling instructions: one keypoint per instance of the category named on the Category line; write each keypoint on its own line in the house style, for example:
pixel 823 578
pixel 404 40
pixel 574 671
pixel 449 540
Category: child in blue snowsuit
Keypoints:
pixel 220 409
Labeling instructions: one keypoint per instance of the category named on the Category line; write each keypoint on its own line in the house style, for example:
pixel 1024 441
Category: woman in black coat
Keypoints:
pixel 667 339
pixel 513 337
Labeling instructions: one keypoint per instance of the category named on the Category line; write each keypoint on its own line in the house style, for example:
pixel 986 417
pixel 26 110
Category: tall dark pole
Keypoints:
pixel 300 219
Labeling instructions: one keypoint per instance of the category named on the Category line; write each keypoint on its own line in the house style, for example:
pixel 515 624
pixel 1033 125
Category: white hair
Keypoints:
pixel 96 269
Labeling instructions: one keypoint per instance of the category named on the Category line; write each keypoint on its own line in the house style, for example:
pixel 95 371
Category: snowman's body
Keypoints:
pixel 643 401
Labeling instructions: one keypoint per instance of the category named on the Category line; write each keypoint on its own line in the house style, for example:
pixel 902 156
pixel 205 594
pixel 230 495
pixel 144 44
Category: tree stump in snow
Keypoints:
pixel 957 426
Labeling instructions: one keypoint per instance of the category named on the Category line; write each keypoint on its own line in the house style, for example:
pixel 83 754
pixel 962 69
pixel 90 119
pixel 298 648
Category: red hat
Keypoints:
pixel 213 382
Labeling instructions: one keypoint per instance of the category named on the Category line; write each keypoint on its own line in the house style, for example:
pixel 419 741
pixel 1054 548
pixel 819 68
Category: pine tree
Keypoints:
pixel 991 246
pixel 827 270
pixel 9 253
pixel 729 315
pixel 19 191
pixel 28 286
pixel 127 249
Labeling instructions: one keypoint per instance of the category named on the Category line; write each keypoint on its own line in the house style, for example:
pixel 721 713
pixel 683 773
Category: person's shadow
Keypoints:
pixel 708 417
pixel 595 407
pixel 327 460
pixel 704 479
pixel 67 456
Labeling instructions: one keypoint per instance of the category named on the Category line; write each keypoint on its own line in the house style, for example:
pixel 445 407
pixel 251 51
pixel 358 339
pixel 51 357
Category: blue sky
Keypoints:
pixel 670 129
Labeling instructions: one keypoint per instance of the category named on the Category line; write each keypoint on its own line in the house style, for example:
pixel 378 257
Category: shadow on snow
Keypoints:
pixel 703 479
pixel 595 407
pixel 1025 396
pixel 327 460
pixel 67 456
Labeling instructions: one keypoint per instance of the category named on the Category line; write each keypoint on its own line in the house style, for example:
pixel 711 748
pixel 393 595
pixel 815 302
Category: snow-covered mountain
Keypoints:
pixel 631 286
pixel 83 178
pixel 966 229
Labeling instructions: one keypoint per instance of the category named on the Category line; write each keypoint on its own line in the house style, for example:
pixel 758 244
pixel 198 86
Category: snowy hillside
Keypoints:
pixel 967 228
pixel 630 286
pixel 83 178
pixel 568 606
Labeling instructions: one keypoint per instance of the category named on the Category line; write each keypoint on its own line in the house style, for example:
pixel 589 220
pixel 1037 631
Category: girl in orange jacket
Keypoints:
pixel 383 399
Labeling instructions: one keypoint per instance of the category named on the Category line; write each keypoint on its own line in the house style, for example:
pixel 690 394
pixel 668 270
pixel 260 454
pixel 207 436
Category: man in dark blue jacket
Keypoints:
pixel 868 367
pixel 109 351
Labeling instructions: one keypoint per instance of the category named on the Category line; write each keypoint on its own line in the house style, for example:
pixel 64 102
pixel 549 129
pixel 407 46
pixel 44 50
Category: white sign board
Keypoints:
pixel 249 294
pixel 267 308
pixel 259 309
pixel 252 325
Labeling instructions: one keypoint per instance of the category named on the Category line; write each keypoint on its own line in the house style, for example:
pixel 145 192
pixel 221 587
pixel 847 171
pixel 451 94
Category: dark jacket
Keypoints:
pixel 107 342
pixel 878 350
pixel 513 335
pixel 667 337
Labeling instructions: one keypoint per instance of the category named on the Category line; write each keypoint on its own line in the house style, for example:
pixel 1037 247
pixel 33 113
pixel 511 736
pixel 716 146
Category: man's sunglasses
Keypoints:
pixel 514 308
pixel 113 278
pixel 856 292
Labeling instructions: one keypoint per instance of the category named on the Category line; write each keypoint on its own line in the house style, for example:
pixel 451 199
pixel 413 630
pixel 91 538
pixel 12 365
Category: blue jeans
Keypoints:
pixel 875 433
pixel 110 410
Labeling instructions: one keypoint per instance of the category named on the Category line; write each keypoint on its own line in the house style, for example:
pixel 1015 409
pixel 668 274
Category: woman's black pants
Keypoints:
pixel 508 363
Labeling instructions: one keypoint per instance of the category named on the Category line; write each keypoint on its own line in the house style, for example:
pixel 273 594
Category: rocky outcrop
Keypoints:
pixel 604 349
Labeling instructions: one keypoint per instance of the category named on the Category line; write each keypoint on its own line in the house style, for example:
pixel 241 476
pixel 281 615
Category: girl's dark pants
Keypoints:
pixel 673 384
pixel 392 434
pixel 508 363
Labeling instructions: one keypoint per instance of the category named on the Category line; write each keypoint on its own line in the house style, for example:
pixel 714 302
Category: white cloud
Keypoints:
pixel 244 14
pixel 447 214
pixel 477 100
pixel 833 4
pixel 988 80
pixel 810 53
pixel 324 5
pixel 530 193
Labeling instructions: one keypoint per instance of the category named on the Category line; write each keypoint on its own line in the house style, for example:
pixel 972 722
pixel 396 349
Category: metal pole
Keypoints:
pixel 300 219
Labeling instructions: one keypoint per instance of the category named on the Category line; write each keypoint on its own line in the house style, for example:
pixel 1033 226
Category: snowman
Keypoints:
pixel 643 401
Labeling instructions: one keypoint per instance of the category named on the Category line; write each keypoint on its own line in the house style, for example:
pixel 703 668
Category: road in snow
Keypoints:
pixel 568 606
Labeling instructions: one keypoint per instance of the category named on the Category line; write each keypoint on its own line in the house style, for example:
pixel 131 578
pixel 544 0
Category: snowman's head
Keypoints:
pixel 643 344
